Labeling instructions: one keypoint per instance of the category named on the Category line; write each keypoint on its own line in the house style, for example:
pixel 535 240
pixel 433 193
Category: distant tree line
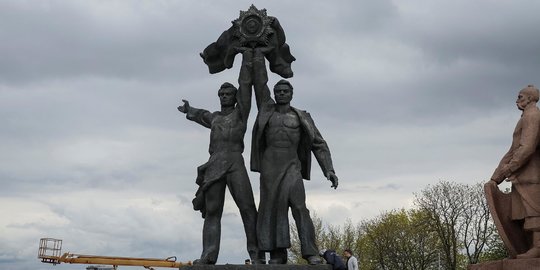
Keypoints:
pixel 449 228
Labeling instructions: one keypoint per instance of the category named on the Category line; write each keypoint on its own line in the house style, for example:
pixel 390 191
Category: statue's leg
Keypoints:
pixel 215 196
pixel 242 193
pixel 278 256
pixel 525 198
pixel 304 224
pixel 531 224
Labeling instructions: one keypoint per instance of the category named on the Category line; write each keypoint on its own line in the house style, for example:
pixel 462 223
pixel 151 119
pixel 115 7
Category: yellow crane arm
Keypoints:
pixel 125 261
pixel 50 250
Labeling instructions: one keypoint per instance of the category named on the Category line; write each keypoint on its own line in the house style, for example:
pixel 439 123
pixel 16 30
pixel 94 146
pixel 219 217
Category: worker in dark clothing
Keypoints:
pixel 331 257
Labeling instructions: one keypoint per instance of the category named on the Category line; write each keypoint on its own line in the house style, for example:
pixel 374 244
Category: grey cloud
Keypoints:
pixel 405 93
pixel 456 69
pixel 77 39
pixel 486 30
pixel 390 186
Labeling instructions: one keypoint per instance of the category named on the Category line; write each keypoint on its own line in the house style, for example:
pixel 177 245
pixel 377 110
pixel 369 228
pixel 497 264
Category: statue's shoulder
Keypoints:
pixel 302 113
pixel 299 111
pixel 266 108
pixel 214 115
pixel 533 114
pixel 304 116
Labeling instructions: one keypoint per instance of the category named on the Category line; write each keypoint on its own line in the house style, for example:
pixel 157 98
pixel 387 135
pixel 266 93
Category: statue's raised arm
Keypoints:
pixel 260 76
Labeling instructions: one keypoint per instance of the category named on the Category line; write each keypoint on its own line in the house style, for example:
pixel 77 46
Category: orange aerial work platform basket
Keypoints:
pixel 50 250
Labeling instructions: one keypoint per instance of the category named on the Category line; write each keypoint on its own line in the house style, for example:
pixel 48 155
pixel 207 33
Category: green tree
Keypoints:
pixel 459 214
pixel 399 239
pixel 295 254
pixel 444 206
pixel 450 228
pixel 327 236
pixel 476 226
pixel 495 250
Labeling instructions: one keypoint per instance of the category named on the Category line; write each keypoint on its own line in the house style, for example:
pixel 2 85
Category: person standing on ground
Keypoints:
pixel 352 262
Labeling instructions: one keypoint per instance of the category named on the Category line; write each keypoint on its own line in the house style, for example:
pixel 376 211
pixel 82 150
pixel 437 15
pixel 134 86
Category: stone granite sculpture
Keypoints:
pixel 517 215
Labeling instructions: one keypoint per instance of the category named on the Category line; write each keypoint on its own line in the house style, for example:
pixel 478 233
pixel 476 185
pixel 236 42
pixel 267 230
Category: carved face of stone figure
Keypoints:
pixel 523 100
pixel 227 97
pixel 283 94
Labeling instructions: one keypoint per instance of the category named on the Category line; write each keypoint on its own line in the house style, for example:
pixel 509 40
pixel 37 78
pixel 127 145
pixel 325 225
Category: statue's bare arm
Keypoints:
pixel 245 81
pixel 200 116
pixel 260 76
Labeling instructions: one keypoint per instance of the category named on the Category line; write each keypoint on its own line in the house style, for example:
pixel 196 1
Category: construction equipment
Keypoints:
pixel 50 250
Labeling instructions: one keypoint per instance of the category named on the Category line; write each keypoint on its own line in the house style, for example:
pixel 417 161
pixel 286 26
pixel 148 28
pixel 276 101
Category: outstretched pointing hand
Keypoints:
pixel 184 108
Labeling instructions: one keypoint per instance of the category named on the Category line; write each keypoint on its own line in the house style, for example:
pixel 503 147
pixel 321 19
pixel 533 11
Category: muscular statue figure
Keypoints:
pixel 225 166
pixel 521 166
pixel 283 139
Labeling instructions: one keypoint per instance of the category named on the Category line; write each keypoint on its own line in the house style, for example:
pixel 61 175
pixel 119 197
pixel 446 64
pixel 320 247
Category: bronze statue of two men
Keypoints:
pixel 283 139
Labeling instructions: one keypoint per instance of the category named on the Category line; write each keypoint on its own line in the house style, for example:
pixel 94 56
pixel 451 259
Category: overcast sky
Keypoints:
pixel 94 152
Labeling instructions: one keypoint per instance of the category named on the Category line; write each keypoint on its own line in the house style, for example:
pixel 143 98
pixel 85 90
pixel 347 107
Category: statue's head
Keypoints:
pixel 527 95
pixel 283 92
pixel 227 94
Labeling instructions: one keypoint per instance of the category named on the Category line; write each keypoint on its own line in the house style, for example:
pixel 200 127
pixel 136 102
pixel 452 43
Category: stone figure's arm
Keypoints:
pixel 527 143
pixel 245 81
pixel 322 154
pixel 201 116
pixel 260 77
pixel 500 174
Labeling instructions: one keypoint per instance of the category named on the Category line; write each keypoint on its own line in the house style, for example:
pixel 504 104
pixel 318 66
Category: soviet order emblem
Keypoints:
pixel 253 27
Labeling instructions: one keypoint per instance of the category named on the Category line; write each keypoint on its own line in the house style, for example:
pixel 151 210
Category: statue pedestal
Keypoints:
pixel 507 264
pixel 258 267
